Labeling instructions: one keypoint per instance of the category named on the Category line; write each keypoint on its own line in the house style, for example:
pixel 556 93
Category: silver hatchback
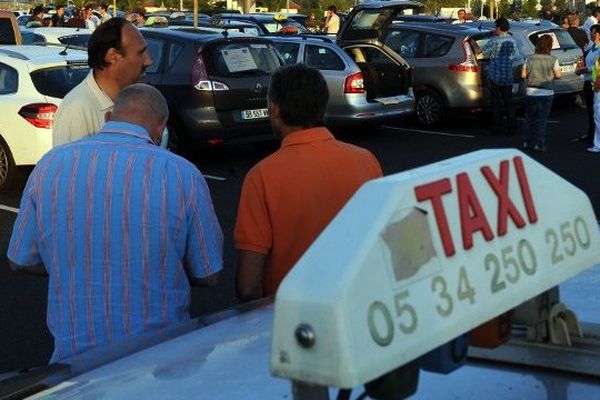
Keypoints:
pixel 356 94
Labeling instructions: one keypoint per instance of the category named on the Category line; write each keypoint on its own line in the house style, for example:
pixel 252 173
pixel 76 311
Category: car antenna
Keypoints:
pixel 64 52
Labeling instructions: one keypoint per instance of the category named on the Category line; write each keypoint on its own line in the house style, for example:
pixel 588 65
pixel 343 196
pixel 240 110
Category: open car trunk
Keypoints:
pixel 384 77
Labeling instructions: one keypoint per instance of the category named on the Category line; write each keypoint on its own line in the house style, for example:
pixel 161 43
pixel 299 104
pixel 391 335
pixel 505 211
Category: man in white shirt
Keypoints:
pixel 104 15
pixel 591 21
pixel 91 21
pixel 332 21
pixel 118 57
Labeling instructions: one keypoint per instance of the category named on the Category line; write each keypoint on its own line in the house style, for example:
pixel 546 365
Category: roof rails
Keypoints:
pixel 303 36
pixel 14 54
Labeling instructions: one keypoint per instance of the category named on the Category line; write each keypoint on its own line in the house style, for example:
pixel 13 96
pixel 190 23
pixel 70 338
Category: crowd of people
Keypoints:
pixel 88 16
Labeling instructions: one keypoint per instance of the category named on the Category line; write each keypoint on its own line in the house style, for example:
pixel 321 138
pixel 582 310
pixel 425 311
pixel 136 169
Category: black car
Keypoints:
pixel 215 84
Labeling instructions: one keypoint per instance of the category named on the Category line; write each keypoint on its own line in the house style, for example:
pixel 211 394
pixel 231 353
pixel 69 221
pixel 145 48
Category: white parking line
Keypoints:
pixel 550 121
pixel 7 208
pixel 215 178
pixel 429 132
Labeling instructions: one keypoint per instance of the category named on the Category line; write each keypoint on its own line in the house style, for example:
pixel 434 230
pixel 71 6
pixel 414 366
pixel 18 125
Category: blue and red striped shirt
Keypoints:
pixel 117 222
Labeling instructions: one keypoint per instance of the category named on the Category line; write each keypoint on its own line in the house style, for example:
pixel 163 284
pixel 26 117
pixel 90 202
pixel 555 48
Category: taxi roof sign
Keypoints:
pixel 415 259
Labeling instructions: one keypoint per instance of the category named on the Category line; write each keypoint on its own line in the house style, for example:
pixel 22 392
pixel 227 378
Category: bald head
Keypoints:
pixel 143 105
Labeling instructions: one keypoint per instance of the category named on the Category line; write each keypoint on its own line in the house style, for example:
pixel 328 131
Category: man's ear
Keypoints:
pixel 274 110
pixel 111 55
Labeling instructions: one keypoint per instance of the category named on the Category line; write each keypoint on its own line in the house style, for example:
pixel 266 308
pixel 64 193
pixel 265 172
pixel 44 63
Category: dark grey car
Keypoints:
pixel 215 84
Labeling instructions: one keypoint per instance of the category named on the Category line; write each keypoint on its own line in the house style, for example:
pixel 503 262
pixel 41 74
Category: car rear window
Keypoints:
pixel 244 59
pixel 58 81
pixel 561 39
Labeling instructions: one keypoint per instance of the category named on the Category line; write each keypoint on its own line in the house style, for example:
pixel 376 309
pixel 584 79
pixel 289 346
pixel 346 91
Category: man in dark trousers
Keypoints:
pixel 501 51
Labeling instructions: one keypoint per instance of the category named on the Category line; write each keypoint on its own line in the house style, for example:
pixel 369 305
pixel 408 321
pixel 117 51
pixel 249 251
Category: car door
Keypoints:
pixel 369 22
pixel 332 67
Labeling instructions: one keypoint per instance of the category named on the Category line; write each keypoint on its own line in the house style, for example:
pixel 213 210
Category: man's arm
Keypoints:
pixel 249 278
pixel 38 269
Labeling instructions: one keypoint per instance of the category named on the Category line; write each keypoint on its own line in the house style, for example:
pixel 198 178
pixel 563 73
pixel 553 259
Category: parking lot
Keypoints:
pixel 24 339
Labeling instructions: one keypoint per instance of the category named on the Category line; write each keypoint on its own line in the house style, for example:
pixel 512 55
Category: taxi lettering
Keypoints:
pixel 472 216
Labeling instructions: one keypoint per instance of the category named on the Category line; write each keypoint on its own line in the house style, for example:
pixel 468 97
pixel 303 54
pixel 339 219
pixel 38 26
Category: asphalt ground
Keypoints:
pixel 24 338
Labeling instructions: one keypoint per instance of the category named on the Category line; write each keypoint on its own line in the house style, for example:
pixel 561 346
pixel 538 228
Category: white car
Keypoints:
pixel 74 37
pixel 33 81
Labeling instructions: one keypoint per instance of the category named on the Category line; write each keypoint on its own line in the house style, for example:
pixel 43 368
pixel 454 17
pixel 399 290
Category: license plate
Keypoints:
pixel 255 114
pixel 568 68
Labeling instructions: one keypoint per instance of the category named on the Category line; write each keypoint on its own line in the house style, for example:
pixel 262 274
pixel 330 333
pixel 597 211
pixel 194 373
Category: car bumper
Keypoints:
pixel 206 123
pixel 355 110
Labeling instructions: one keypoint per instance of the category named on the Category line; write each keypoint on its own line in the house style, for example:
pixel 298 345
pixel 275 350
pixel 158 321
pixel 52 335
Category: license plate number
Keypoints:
pixel 255 114
pixel 567 68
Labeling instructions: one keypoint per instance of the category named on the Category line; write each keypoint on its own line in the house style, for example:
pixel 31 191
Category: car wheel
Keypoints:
pixel 429 108
pixel 7 166
pixel 176 142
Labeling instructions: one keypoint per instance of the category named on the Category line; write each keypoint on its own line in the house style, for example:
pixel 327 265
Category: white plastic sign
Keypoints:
pixel 418 258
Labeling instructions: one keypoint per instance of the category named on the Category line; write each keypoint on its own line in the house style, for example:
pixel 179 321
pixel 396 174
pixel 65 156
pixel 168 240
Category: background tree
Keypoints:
pixel 504 8
pixel 529 9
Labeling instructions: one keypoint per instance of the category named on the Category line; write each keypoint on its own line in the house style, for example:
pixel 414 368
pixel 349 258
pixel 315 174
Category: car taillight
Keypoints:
pixel 469 62
pixel 581 62
pixel 200 79
pixel 40 115
pixel 354 83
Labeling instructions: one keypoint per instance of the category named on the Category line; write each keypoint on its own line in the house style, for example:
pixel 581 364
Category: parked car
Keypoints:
pixel 386 77
pixel 267 23
pixel 354 96
pixel 215 84
pixel 33 80
pixel 73 37
pixel 9 28
pixel 451 76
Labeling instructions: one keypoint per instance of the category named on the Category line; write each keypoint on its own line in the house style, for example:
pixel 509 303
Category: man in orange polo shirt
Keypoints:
pixel 289 197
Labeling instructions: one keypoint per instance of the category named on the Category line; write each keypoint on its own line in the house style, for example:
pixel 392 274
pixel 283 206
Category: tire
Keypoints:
pixel 429 108
pixel 8 169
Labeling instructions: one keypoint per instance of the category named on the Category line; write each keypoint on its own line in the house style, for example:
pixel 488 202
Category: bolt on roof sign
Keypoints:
pixel 418 258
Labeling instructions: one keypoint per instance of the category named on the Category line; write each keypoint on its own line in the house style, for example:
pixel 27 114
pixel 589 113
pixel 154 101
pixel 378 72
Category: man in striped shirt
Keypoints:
pixel 121 226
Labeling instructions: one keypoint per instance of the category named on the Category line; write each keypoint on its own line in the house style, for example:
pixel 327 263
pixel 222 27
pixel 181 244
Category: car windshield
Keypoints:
pixel 58 81
pixel 245 59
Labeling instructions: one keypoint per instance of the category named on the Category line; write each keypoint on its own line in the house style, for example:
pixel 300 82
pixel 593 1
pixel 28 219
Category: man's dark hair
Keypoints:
pixel 596 11
pixel 301 94
pixel 332 8
pixel 502 24
pixel 37 10
pixel 59 6
pixel 594 28
pixel 104 6
pixel 89 7
pixel 108 35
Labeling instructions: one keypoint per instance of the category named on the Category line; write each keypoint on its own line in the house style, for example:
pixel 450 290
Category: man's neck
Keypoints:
pixel 106 84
